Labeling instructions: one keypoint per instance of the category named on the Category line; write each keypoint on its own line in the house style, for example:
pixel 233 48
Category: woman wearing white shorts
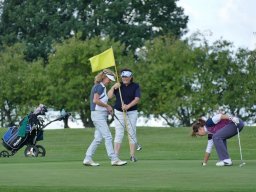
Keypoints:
pixel 126 113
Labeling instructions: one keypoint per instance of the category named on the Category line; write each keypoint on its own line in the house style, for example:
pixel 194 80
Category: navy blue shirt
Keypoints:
pixel 128 93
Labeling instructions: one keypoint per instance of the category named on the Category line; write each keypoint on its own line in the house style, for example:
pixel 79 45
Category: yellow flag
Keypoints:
pixel 103 60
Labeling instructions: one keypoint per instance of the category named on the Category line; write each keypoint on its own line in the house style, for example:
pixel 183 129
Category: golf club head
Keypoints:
pixel 139 147
pixel 64 115
pixel 242 164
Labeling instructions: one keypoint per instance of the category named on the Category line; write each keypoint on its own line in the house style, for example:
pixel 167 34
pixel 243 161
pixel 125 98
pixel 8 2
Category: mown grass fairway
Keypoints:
pixel 169 161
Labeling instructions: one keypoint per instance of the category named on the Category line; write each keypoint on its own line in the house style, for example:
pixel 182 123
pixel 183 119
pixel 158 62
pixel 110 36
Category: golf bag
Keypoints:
pixel 29 131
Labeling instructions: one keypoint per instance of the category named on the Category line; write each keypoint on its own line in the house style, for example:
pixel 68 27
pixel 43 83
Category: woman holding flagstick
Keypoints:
pixel 127 95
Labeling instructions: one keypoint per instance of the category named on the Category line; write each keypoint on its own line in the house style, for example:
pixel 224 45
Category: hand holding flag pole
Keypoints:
pixel 138 146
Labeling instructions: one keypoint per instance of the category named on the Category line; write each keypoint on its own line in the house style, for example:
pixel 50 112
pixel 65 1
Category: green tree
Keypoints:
pixel 249 88
pixel 20 84
pixel 183 80
pixel 211 75
pixel 240 96
pixel 224 78
pixel 167 79
pixel 132 22
pixel 38 24
pixel 41 23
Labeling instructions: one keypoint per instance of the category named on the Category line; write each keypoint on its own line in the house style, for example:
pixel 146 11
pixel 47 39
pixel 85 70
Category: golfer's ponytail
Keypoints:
pixel 99 77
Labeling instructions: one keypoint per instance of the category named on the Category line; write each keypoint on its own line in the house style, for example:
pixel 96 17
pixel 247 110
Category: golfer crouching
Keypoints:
pixel 222 127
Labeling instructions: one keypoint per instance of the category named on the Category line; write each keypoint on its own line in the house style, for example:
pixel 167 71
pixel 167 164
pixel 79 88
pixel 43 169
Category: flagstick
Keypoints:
pixel 124 112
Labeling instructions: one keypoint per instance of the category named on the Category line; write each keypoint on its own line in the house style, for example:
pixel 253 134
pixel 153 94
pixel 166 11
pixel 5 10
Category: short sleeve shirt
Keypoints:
pixel 101 90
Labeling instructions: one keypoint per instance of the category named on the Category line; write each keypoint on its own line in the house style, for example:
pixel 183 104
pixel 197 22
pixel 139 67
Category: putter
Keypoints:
pixel 138 146
pixel 240 148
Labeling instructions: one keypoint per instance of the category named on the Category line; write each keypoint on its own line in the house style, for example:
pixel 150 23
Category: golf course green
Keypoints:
pixel 170 160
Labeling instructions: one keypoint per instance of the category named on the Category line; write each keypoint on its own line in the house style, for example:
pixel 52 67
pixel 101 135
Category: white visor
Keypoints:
pixel 204 118
pixel 111 77
pixel 126 74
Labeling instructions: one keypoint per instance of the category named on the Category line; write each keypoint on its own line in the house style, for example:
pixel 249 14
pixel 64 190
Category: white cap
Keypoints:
pixel 111 77
pixel 126 74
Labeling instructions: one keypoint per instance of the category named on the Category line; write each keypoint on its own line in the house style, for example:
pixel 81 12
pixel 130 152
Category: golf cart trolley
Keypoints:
pixel 29 131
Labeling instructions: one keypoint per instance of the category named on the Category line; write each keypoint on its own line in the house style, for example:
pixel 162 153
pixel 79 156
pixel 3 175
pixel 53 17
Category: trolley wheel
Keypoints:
pixel 4 154
pixel 41 150
pixel 31 151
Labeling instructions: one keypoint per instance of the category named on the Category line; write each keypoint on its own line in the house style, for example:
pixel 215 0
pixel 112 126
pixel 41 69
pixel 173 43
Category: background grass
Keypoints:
pixel 169 161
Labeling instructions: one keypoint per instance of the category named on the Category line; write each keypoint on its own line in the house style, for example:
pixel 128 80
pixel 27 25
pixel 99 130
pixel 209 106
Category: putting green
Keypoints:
pixel 169 161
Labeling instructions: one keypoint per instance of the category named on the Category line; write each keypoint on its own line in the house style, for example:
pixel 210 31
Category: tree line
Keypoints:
pixel 45 47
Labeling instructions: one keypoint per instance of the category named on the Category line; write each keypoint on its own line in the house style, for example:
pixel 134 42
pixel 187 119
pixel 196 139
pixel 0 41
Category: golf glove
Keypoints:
pixel 116 85
pixel 234 119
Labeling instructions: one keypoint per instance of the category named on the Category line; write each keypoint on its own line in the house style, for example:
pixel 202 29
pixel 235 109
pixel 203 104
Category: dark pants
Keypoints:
pixel 221 136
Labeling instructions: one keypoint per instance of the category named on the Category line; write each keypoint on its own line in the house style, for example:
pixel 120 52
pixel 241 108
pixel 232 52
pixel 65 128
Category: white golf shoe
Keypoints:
pixel 225 162
pixel 118 163
pixel 90 163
